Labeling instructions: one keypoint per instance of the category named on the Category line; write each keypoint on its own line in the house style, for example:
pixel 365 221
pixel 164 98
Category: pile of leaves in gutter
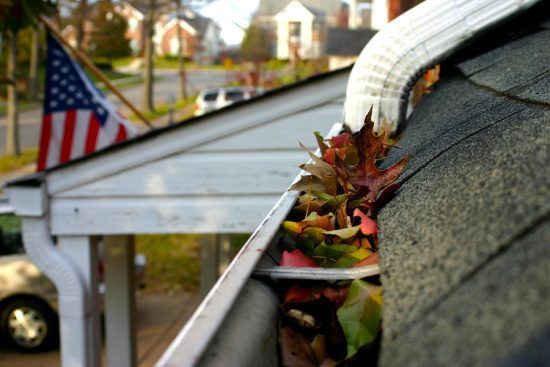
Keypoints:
pixel 333 226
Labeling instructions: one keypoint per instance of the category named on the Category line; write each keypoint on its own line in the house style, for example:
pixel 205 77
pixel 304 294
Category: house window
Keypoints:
pixel 294 31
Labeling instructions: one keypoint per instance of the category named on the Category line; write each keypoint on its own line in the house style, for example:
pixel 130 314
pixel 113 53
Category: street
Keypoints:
pixel 165 92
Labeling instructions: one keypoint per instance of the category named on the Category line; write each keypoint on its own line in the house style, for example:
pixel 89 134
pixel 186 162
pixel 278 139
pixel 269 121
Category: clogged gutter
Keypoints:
pixel 334 225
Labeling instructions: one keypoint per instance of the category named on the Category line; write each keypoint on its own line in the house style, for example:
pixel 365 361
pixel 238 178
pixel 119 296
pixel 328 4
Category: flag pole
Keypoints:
pixel 94 69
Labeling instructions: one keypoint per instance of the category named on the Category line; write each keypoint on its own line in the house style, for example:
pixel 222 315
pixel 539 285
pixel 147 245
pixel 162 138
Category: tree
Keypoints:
pixel 14 16
pixel 108 39
pixel 181 61
pixel 255 46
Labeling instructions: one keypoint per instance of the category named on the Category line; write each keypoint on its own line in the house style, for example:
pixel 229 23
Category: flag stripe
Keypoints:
pixel 121 133
pixel 58 119
pixel 80 133
pixel 45 136
pixel 68 133
pixel 93 131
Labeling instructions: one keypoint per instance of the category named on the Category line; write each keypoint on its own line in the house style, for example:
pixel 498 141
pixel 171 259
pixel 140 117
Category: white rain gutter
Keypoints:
pixel 32 206
pixel 399 53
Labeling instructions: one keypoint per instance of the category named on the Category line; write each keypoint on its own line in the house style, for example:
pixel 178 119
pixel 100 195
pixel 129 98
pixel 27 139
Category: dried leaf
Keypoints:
pixel 307 183
pixel 371 260
pixel 296 350
pixel 297 259
pixel 315 220
pixel 360 315
pixel 344 233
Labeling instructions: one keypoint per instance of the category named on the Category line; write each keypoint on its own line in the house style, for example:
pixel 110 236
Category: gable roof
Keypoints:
pixel 347 42
pixel 325 7
pixel 37 178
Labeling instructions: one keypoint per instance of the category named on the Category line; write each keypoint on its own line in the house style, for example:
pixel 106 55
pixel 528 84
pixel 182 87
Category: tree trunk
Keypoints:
pixel 181 60
pixel 80 25
pixel 147 103
pixel 33 66
pixel 12 133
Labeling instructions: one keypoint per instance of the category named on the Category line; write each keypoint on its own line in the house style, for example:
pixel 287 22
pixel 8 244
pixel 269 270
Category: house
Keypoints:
pixel 464 243
pixel 215 174
pixel 201 36
pixel 135 19
pixel 297 27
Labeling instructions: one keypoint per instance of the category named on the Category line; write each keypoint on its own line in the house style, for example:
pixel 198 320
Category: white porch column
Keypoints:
pixel 215 256
pixel 120 301
pixel 82 252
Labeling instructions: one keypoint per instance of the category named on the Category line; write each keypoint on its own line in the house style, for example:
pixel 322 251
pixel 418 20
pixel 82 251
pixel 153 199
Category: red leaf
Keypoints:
pixel 371 260
pixel 336 296
pixel 297 259
pixel 299 293
pixel 368 225
pixel 340 141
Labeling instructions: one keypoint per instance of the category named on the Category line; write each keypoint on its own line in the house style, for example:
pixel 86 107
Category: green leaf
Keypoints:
pixel 333 252
pixel 314 233
pixel 345 233
pixel 360 315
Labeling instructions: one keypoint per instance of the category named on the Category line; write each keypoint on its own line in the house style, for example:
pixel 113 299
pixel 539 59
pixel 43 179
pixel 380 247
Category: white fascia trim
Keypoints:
pixel 399 53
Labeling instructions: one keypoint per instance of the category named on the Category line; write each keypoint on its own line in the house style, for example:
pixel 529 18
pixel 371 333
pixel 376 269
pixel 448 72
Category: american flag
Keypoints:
pixel 78 119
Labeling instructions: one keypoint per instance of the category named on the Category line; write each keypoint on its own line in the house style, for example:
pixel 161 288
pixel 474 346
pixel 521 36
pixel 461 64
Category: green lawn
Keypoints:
pixel 164 109
pixel 173 261
pixel 9 164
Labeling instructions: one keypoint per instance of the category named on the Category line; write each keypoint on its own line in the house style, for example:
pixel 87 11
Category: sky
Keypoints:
pixel 233 16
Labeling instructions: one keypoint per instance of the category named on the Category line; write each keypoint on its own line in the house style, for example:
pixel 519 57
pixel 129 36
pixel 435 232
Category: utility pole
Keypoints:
pixel 147 103
pixel 181 59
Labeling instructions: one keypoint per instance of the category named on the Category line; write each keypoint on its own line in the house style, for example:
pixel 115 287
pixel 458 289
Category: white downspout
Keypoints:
pixel 32 206
pixel 400 52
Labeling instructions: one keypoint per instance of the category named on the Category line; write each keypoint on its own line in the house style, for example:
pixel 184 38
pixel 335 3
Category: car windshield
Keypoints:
pixel 210 96
pixel 234 95
pixel 11 241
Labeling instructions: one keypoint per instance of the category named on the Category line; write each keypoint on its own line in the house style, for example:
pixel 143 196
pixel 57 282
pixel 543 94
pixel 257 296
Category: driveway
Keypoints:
pixel 159 319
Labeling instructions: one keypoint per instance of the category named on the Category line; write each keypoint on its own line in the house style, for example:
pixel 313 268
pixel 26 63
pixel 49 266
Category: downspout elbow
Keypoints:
pixel 31 204
pixel 389 65
pixel 47 257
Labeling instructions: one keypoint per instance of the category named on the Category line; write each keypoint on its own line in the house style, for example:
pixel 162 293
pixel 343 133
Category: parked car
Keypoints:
pixel 28 298
pixel 216 98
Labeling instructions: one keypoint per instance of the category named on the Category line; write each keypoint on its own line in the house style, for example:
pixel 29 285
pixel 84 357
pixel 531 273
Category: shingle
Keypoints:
pixel 459 210
pixel 513 68
pixel 465 243
pixel 499 317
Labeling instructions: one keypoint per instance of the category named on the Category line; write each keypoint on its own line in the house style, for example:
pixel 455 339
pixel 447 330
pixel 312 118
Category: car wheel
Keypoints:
pixel 29 325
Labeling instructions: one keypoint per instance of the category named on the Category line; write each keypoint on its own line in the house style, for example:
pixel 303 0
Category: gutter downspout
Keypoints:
pixel 32 206
pixel 389 65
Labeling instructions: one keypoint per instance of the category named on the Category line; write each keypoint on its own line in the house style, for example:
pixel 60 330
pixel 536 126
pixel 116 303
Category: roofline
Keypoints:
pixel 38 178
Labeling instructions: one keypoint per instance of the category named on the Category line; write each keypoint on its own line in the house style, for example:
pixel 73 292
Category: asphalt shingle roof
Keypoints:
pixel 465 244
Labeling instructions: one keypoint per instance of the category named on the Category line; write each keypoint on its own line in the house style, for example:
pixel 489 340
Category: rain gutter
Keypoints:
pixel 382 77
